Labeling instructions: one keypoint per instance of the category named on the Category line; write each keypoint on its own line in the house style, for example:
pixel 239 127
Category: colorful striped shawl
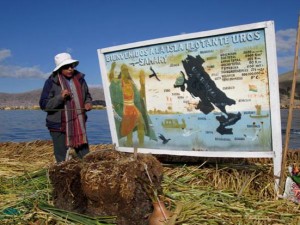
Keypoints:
pixel 74 112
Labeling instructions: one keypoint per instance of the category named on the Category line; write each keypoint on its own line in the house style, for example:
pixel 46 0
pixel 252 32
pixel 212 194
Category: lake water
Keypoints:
pixel 29 125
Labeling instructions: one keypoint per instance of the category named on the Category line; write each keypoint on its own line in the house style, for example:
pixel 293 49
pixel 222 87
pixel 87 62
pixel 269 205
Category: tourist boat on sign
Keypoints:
pixel 173 123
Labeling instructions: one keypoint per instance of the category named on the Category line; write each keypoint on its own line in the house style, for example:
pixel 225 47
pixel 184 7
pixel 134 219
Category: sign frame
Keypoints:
pixel 267 27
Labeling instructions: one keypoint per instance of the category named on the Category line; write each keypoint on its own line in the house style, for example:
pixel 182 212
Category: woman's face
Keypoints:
pixel 67 70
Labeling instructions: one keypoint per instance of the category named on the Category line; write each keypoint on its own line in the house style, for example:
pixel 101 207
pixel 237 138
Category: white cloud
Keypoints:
pixel 21 72
pixel 285 44
pixel 11 71
pixel 5 53
pixel 69 50
pixel 285 40
pixel 285 61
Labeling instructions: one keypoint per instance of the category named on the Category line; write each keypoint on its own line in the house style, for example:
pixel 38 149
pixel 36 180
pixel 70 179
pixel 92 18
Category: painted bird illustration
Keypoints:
pixel 153 74
pixel 165 140
pixel 133 64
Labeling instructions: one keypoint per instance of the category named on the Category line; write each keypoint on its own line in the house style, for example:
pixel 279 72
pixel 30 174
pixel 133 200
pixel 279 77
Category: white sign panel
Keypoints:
pixel 212 94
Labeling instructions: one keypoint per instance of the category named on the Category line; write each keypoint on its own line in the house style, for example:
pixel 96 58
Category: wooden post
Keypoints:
pixel 291 107
pixel 135 151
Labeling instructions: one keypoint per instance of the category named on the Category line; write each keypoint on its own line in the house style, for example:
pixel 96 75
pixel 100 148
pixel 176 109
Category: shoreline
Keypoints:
pixel 99 107
pixel 95 107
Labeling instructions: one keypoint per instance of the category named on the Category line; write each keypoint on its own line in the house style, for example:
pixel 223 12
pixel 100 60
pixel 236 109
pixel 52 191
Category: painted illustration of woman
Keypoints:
pixel 129 107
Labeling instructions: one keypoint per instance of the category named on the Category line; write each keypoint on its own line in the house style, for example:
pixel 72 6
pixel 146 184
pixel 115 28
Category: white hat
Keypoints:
pixel 63 59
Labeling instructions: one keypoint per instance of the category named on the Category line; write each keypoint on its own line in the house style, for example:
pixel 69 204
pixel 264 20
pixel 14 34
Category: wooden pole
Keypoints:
pixel 135 151
pixel 291 107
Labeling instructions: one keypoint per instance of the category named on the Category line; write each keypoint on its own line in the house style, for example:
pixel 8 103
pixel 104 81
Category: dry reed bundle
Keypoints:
pixel 19 158
pixel 107 182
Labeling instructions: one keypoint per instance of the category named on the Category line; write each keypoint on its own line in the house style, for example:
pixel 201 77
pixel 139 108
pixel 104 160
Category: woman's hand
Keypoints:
pixel 88 106
pixel 65 94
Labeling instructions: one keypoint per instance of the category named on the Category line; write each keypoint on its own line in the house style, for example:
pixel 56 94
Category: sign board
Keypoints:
pixel 210 94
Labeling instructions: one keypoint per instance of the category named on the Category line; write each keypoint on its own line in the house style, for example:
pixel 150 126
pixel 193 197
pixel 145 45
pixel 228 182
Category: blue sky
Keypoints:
pixel 34 31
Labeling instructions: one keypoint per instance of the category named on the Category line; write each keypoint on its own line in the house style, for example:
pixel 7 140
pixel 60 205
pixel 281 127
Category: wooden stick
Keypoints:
pixel 291 107
pixel 56 110
pixel 135 151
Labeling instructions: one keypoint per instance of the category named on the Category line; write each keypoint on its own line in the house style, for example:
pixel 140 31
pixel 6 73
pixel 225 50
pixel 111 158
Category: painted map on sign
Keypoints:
pixel 208 93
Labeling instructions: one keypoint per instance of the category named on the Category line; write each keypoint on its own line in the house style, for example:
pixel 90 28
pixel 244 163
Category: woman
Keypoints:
pixel 66 98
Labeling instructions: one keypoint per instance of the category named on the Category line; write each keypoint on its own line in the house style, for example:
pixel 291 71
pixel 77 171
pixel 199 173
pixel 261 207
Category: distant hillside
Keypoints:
pixel 31 98
pixel 285 86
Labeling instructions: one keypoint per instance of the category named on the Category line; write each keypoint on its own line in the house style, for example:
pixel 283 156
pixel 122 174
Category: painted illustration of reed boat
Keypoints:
pixel 258 113
pixel 173 123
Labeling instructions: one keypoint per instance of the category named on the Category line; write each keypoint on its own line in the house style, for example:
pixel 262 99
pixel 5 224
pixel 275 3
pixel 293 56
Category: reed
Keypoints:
pixel 210 192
